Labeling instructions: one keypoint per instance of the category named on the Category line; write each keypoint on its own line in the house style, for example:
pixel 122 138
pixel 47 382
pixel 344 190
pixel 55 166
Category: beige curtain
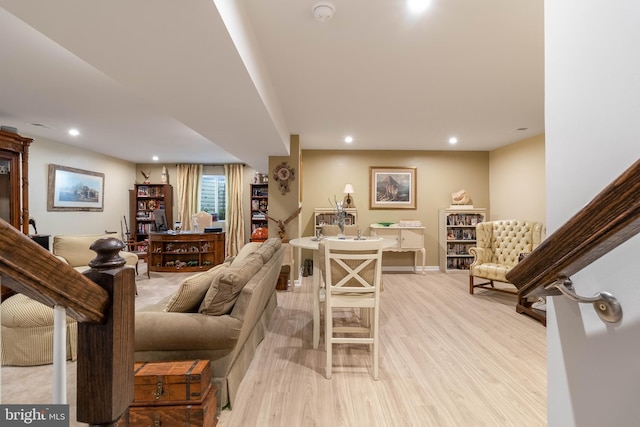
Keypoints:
pixel 235 214
pixel 188 188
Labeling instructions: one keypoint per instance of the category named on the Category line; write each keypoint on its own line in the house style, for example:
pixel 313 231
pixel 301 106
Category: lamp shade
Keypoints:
pixel 348 189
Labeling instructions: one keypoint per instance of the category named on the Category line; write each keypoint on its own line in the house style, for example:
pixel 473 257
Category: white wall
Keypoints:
pixel 592 109
pixel 119 178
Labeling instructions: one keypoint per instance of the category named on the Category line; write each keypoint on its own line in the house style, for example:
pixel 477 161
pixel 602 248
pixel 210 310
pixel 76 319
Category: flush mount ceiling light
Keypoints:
pixel 323 10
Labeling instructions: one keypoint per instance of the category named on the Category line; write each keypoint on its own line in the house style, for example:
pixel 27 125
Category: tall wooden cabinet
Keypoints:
pixel 458 234
pixel 14 180
pixel 259 205
pixel 14 184
pixel 144 200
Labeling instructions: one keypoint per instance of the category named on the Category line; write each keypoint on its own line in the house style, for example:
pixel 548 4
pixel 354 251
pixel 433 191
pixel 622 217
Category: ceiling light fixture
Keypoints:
pixel 418 6
pixel 348 140
pixel 323 10
pixel 453 140
pixel 155 158
pixel 74 132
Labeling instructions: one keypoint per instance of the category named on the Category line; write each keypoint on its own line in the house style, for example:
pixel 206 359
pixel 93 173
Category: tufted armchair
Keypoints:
pixel 499 244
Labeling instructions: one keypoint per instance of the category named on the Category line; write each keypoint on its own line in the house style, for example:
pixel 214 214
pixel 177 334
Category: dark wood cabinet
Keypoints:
pixel 14 180
pixel 259 205
pixel 14 184
pixel 185 251
pixel 145 200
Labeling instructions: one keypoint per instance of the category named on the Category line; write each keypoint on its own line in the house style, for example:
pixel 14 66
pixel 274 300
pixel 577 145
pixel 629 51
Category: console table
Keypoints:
pixel 407 239
pixel 185 251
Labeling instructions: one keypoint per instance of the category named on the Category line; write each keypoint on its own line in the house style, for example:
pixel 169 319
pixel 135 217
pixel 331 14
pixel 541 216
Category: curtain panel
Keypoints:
pixel 189 179
pixel 235 213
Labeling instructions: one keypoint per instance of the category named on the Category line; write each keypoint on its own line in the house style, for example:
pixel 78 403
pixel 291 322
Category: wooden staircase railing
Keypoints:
pixel 607 221
pixel 101 300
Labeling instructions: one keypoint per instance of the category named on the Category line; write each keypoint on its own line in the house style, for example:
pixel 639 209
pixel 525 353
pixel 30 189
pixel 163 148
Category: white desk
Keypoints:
pixel 312 244
pixel 407 239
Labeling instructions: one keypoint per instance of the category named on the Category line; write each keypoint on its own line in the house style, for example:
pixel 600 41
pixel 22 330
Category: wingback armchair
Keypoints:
pixel 499 244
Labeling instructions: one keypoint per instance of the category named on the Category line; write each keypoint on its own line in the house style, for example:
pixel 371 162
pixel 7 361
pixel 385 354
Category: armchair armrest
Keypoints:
pixel 129 257
pixel 481 255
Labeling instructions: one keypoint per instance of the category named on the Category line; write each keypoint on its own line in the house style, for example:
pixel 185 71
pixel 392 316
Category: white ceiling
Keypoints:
pixel 216 81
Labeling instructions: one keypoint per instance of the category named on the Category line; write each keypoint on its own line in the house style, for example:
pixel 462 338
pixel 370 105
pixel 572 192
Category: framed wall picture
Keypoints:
pixel 392 187
pixel 72 189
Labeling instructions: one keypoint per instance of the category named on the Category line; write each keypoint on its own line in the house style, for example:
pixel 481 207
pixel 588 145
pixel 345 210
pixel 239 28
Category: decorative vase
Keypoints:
pixel 341 226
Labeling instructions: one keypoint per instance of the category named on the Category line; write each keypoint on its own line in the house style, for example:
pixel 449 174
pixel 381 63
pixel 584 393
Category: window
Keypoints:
pixel 213 195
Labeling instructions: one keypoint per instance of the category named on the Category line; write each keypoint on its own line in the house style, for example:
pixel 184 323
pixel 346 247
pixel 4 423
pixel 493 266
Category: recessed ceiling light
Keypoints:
pixel 418 6
pixel 453 140
pixel 348 140
pixel 74 132
pixel 155 158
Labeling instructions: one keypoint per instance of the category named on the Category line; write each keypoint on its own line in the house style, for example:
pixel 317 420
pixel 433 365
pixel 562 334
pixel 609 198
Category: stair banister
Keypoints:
pixel 101 300
pixel 611 218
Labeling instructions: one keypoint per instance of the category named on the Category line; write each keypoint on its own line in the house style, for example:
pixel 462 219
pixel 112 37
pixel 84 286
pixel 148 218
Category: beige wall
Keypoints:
pixel 439 173
pixel 517 181
pixel 119 178
pixel 321 174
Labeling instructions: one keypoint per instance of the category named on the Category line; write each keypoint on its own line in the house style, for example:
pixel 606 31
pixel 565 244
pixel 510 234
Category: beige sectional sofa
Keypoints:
pixel 220 315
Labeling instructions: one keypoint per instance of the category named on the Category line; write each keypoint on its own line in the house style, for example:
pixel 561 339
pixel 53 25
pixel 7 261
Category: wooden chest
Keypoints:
pixel 171 383
pixel 194 415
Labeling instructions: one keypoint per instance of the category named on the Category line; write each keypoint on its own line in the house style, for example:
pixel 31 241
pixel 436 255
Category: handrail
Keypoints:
pixel 607 221
pixel 28 268
pixel 101 300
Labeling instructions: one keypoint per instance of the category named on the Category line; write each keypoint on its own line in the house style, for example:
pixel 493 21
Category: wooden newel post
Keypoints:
pixel 105 351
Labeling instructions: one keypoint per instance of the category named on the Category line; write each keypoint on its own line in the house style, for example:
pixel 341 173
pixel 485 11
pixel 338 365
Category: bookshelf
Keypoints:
pixel 259 205
pixel 144 199
pixel 458 234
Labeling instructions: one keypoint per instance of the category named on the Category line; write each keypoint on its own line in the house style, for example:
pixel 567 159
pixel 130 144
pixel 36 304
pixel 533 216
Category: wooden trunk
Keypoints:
pixel 171 383
pixel 196 415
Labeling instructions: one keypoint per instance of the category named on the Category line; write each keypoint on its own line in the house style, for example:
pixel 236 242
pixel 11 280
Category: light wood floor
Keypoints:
pixel 446 359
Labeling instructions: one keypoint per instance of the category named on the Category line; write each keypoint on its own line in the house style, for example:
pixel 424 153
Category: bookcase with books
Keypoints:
pixel 146 202
pixel 259 205
pixel 457 234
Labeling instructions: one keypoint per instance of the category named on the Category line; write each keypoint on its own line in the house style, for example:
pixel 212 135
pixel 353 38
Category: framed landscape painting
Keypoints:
pixel 72 189
pixel 392 187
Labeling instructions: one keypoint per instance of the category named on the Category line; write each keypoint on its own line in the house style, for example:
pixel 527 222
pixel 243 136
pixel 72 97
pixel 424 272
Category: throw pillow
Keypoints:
pixel 226 287
pixel 192 291
pixel 246 250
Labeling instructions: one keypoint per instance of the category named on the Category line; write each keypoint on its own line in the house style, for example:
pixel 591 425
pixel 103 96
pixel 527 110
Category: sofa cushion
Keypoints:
pixel 268 248
pixel 246 250
pixel 191 292
pixel 226 287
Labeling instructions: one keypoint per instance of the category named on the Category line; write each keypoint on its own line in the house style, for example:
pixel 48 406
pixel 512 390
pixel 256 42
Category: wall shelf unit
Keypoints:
pixel 457 233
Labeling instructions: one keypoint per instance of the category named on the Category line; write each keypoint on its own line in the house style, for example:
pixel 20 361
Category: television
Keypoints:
pixel 160 218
